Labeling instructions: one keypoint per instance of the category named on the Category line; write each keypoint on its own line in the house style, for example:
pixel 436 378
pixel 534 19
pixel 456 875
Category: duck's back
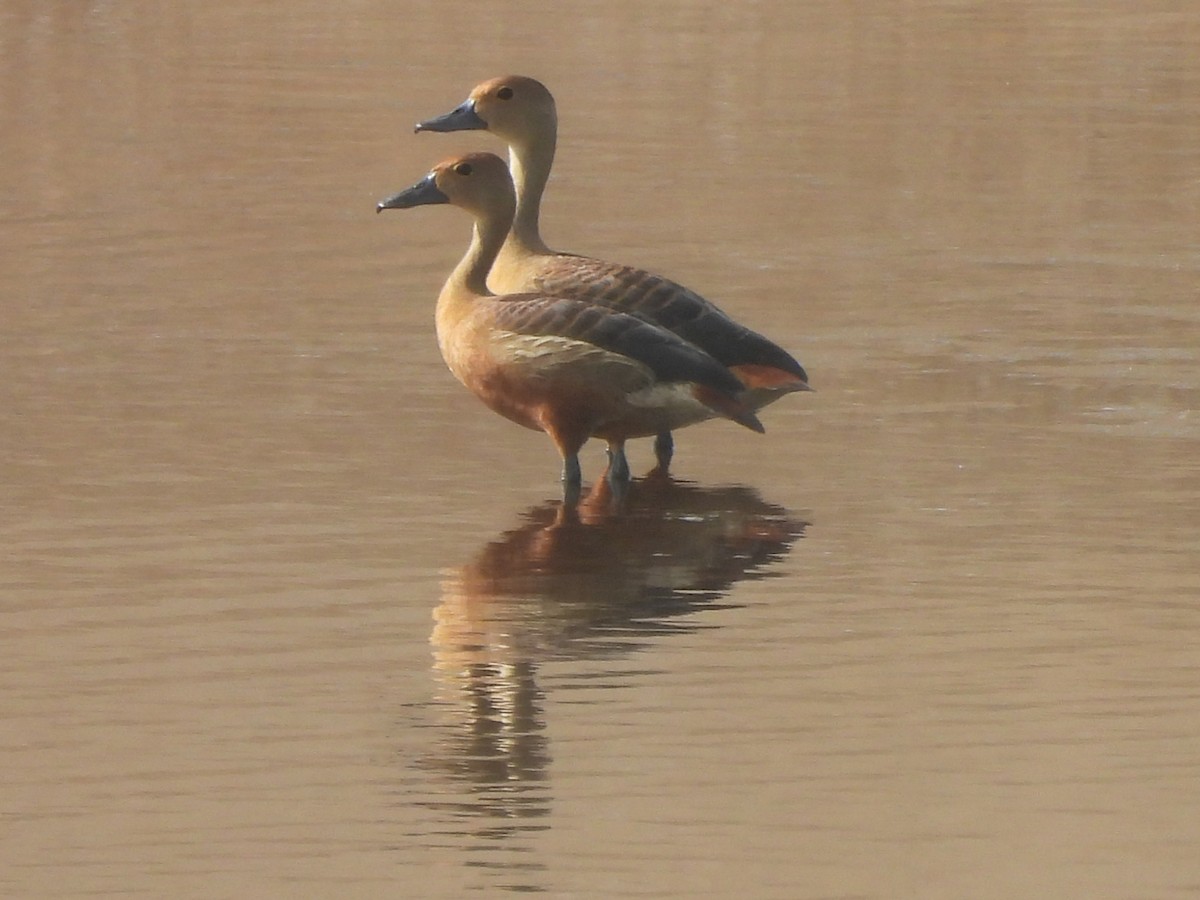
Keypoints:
pixel 652 298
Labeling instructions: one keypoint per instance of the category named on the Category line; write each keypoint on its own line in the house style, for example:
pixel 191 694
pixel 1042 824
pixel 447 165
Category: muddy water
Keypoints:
pixel 283 612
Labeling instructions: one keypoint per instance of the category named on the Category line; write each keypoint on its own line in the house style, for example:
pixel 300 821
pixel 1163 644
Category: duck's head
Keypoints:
pixel 477 182
pixel 515 108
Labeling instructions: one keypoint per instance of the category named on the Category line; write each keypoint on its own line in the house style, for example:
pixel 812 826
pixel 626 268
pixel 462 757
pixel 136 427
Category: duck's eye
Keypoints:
pixel 463 168
pixel 505 93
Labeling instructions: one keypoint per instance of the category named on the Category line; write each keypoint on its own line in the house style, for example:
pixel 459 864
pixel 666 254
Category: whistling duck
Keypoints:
pixel 563 366
pixel 521 111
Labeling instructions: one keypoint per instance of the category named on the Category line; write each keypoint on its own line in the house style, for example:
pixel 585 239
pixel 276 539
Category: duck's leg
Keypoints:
pixel 618 464
pixel 569 437
pixel 664 449
pixel 572 478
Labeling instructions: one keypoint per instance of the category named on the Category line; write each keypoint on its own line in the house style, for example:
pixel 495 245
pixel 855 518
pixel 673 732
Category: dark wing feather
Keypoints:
pixel 669 305
pixel 667 355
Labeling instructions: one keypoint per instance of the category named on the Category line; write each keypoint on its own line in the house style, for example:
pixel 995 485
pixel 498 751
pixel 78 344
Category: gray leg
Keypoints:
pixel 618 465
pixel 572 479
pixel 664 449
pixel 572 475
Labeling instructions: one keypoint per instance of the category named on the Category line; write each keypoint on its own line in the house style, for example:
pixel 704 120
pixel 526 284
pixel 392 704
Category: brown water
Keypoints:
pixel 285 612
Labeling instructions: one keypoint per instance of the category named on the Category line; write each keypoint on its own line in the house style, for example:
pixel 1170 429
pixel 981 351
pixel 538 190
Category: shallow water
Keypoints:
pixel 284 611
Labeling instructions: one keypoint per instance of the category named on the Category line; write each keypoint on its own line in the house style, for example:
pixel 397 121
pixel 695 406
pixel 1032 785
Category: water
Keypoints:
pixel 286 612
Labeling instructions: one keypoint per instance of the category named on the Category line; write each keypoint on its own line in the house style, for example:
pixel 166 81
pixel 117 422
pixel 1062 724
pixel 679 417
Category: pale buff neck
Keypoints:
pixel 530 164
pixel 470 275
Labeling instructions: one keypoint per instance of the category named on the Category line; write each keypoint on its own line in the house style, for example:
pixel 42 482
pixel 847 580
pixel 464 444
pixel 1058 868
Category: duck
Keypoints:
pixel 521 111
pixel 555 364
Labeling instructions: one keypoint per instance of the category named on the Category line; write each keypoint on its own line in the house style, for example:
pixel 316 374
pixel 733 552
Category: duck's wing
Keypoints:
pixel 671 306
pixel 668 356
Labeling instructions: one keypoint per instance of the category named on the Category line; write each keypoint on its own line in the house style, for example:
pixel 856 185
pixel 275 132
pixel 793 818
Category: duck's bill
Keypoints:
pixel 462 118
pixel 424 193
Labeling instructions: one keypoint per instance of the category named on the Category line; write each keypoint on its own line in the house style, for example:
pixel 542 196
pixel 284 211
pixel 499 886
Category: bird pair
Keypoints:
pixel 573 346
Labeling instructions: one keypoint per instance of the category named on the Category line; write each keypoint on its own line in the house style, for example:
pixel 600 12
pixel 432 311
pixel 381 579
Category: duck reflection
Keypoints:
pixel 595 580
pixel 603 576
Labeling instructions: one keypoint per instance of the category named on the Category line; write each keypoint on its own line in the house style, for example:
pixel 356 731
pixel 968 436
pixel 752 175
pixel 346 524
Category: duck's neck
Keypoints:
pixel 470 275
pixel 530 164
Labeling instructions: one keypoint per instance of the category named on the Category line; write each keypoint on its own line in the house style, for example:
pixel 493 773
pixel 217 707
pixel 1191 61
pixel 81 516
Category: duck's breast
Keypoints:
pixel 531 378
